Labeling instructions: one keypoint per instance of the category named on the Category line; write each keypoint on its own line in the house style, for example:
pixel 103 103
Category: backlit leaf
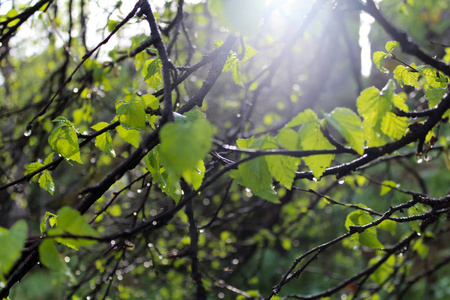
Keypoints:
pixel 378 58
pixel 405 75
pixel 349 125
pixel 131 113
pixel 104 140
pixel 12 242
pixel 64 140
pixel 312 138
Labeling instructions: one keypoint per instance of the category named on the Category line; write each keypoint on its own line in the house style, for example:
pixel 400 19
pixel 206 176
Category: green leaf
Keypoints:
pixel 70 221
pixel 130 136
pixel 104 140
pixel 195 177
pixel 30 168
pixel 389 226
pixel 367 238
pixel 131 113
pixel 167 183
pixel 151 71
pixel 394 126
pixel 49 257
pixel 434 96
pixel 150 101
pixel 12 242
pixel 249 53
pixel 312 138
pixel 255 175
pixel 372 106
pixel 432 76
pixel 421 248
pixel 378 58
pixel 283 167
pixel 245 143
pixel 304 117
pixel 51 218
pixel 348 124
pixel 46 182
pixel 391 45
pixel 233 64
pixel 405 75
pixel 446 57
pixel 382 273
pixel 64 140
pixel 288 138
pixel 399 102
pixel 387 185
pixel 183 145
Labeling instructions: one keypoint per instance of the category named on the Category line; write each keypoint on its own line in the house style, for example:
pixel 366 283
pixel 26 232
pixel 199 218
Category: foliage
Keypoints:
pixel 290 166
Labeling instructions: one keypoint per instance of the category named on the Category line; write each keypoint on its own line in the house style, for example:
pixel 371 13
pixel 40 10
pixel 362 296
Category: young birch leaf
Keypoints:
pixel 130 136
pixel 70 221
pixel 150 101
pixel 387 186
pixel 348 124
pixel 12 242
pixel 382 273
pixel 183 145
pixel 432 76
pixel 49 257
pixel 283 167
pixel 406 76
pixel 64 140
pixel 255 175
pixel 131 113
pixel 30 168
pixel 367 238
pixel 195 177
pixel 104 140
pixel 372 106
pixel 46 182
pixel 151 71
pixel 167 184
pixel 391 45
pixel 249 53
pixel 311 138
pixel 393 125
pixel 399 102
pixel 51 218
pixel 378 58
pixel 434 95
pixel 304 117
pixel 233 64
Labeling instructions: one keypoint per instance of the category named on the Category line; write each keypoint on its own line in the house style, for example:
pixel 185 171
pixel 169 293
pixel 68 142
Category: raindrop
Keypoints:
pixel 419 160
pixel 341 180
pixel 113 243
pixel 315 179
pixel 135 213
pixel 139 191
pixel 27 133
